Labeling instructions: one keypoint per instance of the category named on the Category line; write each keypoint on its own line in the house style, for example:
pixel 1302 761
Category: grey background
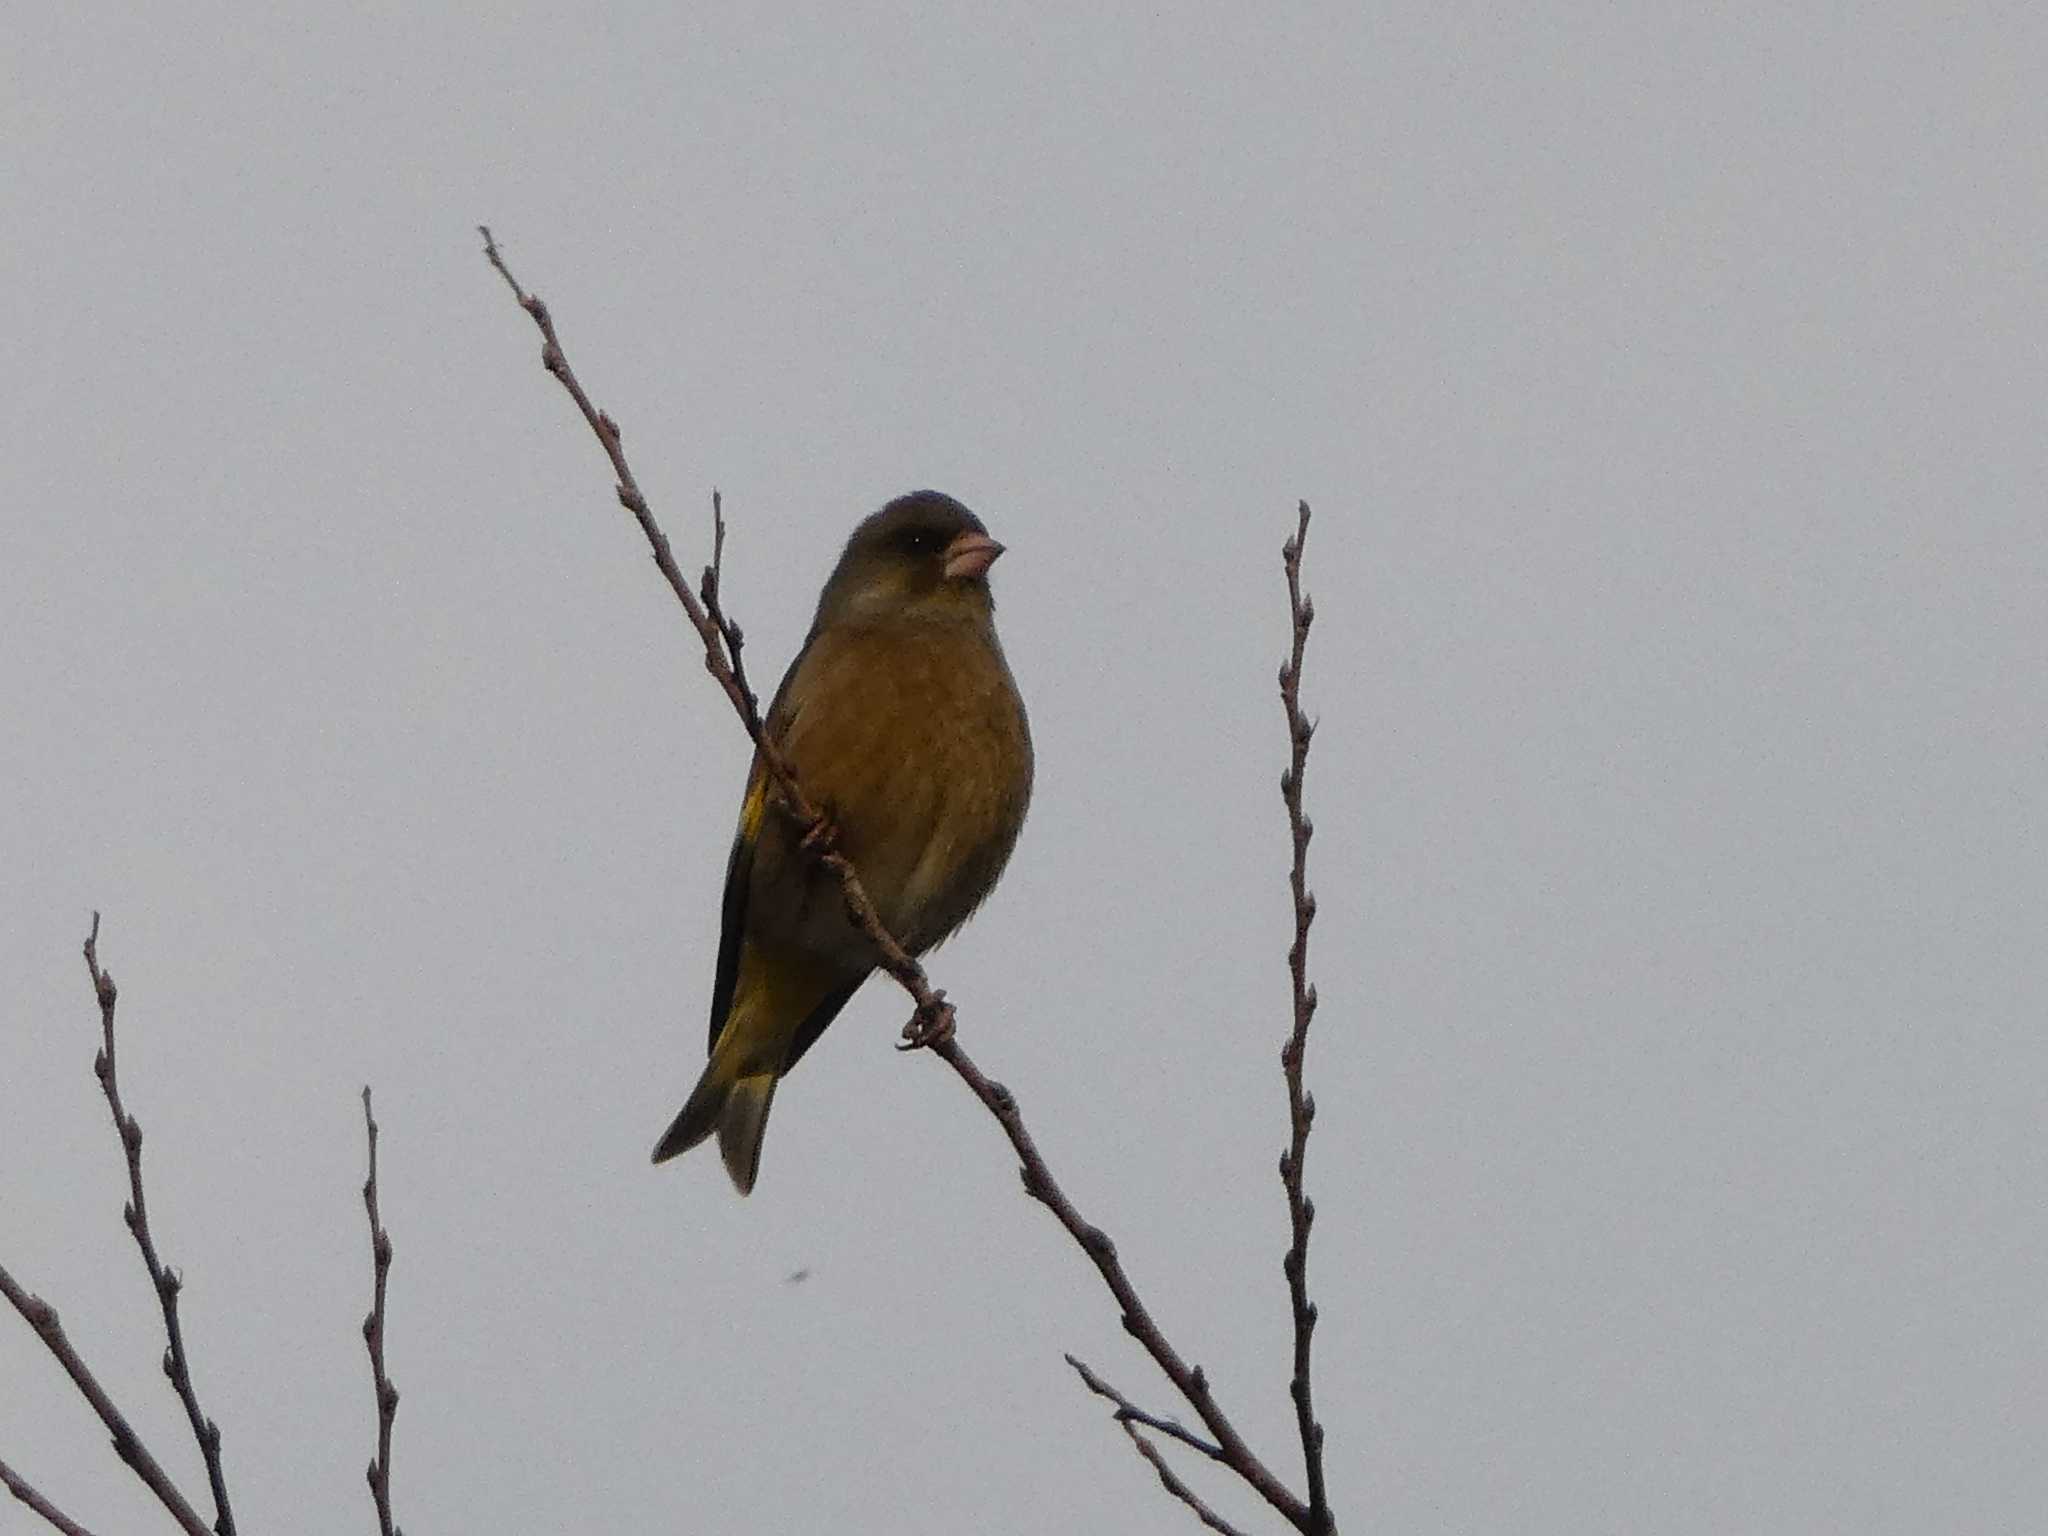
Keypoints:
pixel 1669 389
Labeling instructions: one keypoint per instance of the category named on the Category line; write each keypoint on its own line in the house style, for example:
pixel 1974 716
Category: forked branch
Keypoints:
pixel 932 1025
pixel 165 1281
pixel 42 1317
pixel 721 641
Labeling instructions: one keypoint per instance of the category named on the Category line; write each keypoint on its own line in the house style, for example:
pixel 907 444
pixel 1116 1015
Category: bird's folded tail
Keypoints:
pixel 776 1008
pixel 733 1105
pixel 740 1126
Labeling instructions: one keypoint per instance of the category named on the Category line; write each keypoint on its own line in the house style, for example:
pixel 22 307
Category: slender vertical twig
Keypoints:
pixel 25 1491
pixel 163 1279
pixel 1301 1105
pixel 373 1337
pixel 710 590
pixel 42 1317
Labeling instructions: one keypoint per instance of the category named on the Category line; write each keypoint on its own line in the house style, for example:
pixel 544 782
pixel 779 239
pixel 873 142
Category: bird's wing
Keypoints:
pixel 739 876
pixel 739 866
pixel 815 1021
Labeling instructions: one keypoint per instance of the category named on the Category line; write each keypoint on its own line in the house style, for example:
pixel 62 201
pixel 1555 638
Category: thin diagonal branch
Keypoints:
pixel 373 1337
pixel 1173 1485
pixel 1301 1105
pixel 1128 1411
pixel 42 1317
pixel 165 1281
pixel 932 1025
pixel 25 1491
pixel 934 1017
pixel 1191 1381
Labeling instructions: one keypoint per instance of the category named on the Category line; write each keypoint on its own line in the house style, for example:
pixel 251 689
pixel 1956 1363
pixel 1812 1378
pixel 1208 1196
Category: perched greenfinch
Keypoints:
pixel 902 723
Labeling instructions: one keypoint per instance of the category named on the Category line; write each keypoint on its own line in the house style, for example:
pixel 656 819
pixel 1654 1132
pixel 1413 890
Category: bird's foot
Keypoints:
pixel 931 1025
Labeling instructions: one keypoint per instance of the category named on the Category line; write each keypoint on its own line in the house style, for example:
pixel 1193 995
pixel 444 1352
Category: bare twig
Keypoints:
pixel 1173 1485
pixel 1129 1412
pixel 373 1337
pixel 1130 1416
pixel 932 1025
pixel 933 1017
pixel 1301 1105
pixel 164 1280
pixel 25 1491
pixel 710 589
pixel 42 1317
pixel 1191 1381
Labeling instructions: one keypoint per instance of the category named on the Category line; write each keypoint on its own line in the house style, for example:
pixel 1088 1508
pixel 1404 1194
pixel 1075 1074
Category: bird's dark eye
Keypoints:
pixel 918 541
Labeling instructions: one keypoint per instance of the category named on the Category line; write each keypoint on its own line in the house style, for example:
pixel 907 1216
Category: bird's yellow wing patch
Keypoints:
pixel 755 806
pixel 739 873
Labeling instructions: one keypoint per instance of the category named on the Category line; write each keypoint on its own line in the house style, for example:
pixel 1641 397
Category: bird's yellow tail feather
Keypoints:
pixel 735 1107
pixel 741 1121
pixel 733 1096
pixel 700 1114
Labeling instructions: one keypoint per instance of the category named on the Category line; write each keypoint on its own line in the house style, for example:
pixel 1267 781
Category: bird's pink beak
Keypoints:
pixel 970 555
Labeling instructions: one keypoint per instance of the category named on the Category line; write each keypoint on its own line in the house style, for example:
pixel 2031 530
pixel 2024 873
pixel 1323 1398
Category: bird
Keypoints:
pixel 901 721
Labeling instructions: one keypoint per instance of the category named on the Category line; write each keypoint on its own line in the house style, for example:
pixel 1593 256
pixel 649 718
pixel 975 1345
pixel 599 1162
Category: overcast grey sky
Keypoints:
pixel 1669 386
